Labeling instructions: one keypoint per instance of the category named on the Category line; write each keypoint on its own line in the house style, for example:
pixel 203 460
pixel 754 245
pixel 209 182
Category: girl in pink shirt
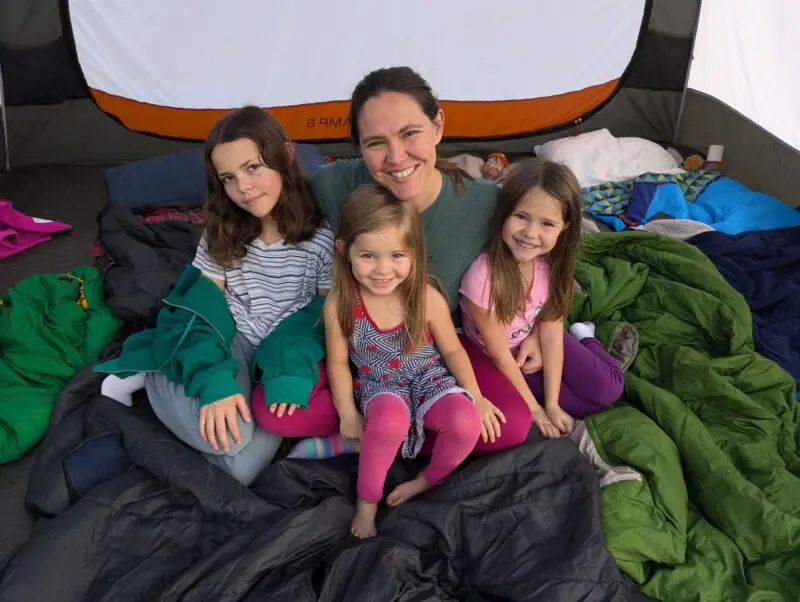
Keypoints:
pixel 517 293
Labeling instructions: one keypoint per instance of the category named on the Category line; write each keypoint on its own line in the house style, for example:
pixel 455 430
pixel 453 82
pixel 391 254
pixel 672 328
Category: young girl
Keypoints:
pixel 412 372
pixel 264 256
pixel 517 293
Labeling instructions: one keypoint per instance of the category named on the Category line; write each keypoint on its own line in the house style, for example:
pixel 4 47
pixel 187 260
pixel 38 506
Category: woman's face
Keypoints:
pixel 398 143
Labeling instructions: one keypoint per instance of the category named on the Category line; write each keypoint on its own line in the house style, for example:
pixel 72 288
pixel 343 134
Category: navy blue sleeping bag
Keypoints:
pixel 764 267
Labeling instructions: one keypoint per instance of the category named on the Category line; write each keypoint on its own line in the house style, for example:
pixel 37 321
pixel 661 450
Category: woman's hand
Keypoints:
pixel 541 420
pixel 351 425
pixel 491 417
pixel 529 354
pixel 217 418
pixel 280 408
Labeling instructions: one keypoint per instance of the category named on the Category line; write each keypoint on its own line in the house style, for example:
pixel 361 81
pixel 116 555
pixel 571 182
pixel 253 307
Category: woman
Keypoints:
pixel 396 123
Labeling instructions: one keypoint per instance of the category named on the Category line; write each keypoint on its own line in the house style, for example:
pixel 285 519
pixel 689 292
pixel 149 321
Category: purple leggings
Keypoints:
pixel 592 380
pixel 454 419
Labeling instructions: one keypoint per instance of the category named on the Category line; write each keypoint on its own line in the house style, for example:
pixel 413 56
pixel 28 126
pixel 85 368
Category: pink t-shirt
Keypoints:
pixel 475 286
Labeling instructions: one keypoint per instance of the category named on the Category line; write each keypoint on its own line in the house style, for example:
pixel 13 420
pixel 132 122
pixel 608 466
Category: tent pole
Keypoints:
pixel 3 118
pixel 682 105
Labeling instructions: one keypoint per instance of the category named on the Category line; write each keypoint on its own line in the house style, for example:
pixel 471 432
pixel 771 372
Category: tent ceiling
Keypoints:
pixel 151 65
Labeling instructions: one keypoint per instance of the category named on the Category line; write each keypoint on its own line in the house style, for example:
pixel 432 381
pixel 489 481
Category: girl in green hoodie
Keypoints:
pixel 264 256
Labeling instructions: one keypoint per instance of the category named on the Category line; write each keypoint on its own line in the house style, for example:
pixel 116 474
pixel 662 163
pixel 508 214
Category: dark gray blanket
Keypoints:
pixel 146 261
pixel 518 525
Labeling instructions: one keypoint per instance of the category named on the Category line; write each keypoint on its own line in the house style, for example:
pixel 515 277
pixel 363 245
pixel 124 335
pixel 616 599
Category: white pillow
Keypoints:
pixel 598 157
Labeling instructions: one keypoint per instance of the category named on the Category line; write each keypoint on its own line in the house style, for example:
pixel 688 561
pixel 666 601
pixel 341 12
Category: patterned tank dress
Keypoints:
pixel 419 379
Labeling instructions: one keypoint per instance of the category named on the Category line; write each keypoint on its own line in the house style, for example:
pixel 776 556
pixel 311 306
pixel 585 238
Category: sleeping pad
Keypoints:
pixel 518 525
pixel 50 326
pixel 710 424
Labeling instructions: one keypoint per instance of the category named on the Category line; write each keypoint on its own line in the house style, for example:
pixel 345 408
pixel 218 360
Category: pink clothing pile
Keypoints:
pixel 19 231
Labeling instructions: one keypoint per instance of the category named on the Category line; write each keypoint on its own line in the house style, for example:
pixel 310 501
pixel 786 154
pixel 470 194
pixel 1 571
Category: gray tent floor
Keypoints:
pixel 70 194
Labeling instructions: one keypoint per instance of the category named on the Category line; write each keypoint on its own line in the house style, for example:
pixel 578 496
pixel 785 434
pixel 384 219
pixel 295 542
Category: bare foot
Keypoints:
pixel 405 491
pixel 363 524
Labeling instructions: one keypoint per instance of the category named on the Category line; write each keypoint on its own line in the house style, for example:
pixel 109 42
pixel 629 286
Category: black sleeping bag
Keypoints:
pixel 146 261
pixel 167 525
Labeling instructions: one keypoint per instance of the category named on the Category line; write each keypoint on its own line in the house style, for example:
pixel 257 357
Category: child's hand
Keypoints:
pixel 352 426
pixel 281 408
pixel 491 417
pixel 529 355
pixel 560 419
pixel 541 420
pixel 217 418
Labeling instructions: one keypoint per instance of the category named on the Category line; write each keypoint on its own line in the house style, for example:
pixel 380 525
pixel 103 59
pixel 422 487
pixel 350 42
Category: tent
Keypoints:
pixel 86 80
pixel 699 475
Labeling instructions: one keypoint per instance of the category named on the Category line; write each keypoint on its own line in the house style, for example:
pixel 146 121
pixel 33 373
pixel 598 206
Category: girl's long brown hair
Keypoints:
pixel 229 228
pixel 507 287
pixel 370 208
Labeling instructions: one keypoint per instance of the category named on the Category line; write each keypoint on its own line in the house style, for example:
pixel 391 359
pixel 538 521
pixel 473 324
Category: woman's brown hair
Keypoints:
pixel 370 208
pixel 402 80
pixel 507 287
pixel 229 228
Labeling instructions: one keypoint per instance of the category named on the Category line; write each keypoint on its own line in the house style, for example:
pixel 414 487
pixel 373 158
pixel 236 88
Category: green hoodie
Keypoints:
pixel 289 356
pixel 191 344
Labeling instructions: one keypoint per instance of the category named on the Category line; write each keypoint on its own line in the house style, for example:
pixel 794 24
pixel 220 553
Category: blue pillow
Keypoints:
pixel 175 179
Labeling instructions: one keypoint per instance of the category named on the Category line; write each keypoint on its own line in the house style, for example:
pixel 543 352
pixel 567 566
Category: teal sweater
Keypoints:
pixel 456 224
pixel 191 345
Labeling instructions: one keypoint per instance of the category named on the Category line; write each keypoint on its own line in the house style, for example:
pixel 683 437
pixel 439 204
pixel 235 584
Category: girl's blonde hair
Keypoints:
pixel 507 288
pixel 371 208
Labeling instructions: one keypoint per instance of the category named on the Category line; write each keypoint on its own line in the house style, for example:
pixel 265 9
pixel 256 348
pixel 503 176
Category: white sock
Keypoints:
pixel 122 389
pixel 582 330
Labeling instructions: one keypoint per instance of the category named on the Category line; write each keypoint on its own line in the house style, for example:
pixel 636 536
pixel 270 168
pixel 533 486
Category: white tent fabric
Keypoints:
pixel 747 55
pixel 276 53
pixel 149 62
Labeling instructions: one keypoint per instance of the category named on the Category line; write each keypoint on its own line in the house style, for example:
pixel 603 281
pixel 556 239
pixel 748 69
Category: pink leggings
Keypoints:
pixel 592 381
pixel 320 418
pixel 454 419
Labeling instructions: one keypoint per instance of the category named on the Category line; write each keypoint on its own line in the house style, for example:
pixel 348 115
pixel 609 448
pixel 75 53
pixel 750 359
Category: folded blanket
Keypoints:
pixel 681 229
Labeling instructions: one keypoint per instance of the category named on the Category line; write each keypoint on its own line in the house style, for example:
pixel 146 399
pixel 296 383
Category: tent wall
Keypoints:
pixel 71 129
pixel 647 105
pixel 743 57
pixel 752 155
pixel 50 117
pixel 150 67
pixel 58 124
pixel 76 131
pixel 746 57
